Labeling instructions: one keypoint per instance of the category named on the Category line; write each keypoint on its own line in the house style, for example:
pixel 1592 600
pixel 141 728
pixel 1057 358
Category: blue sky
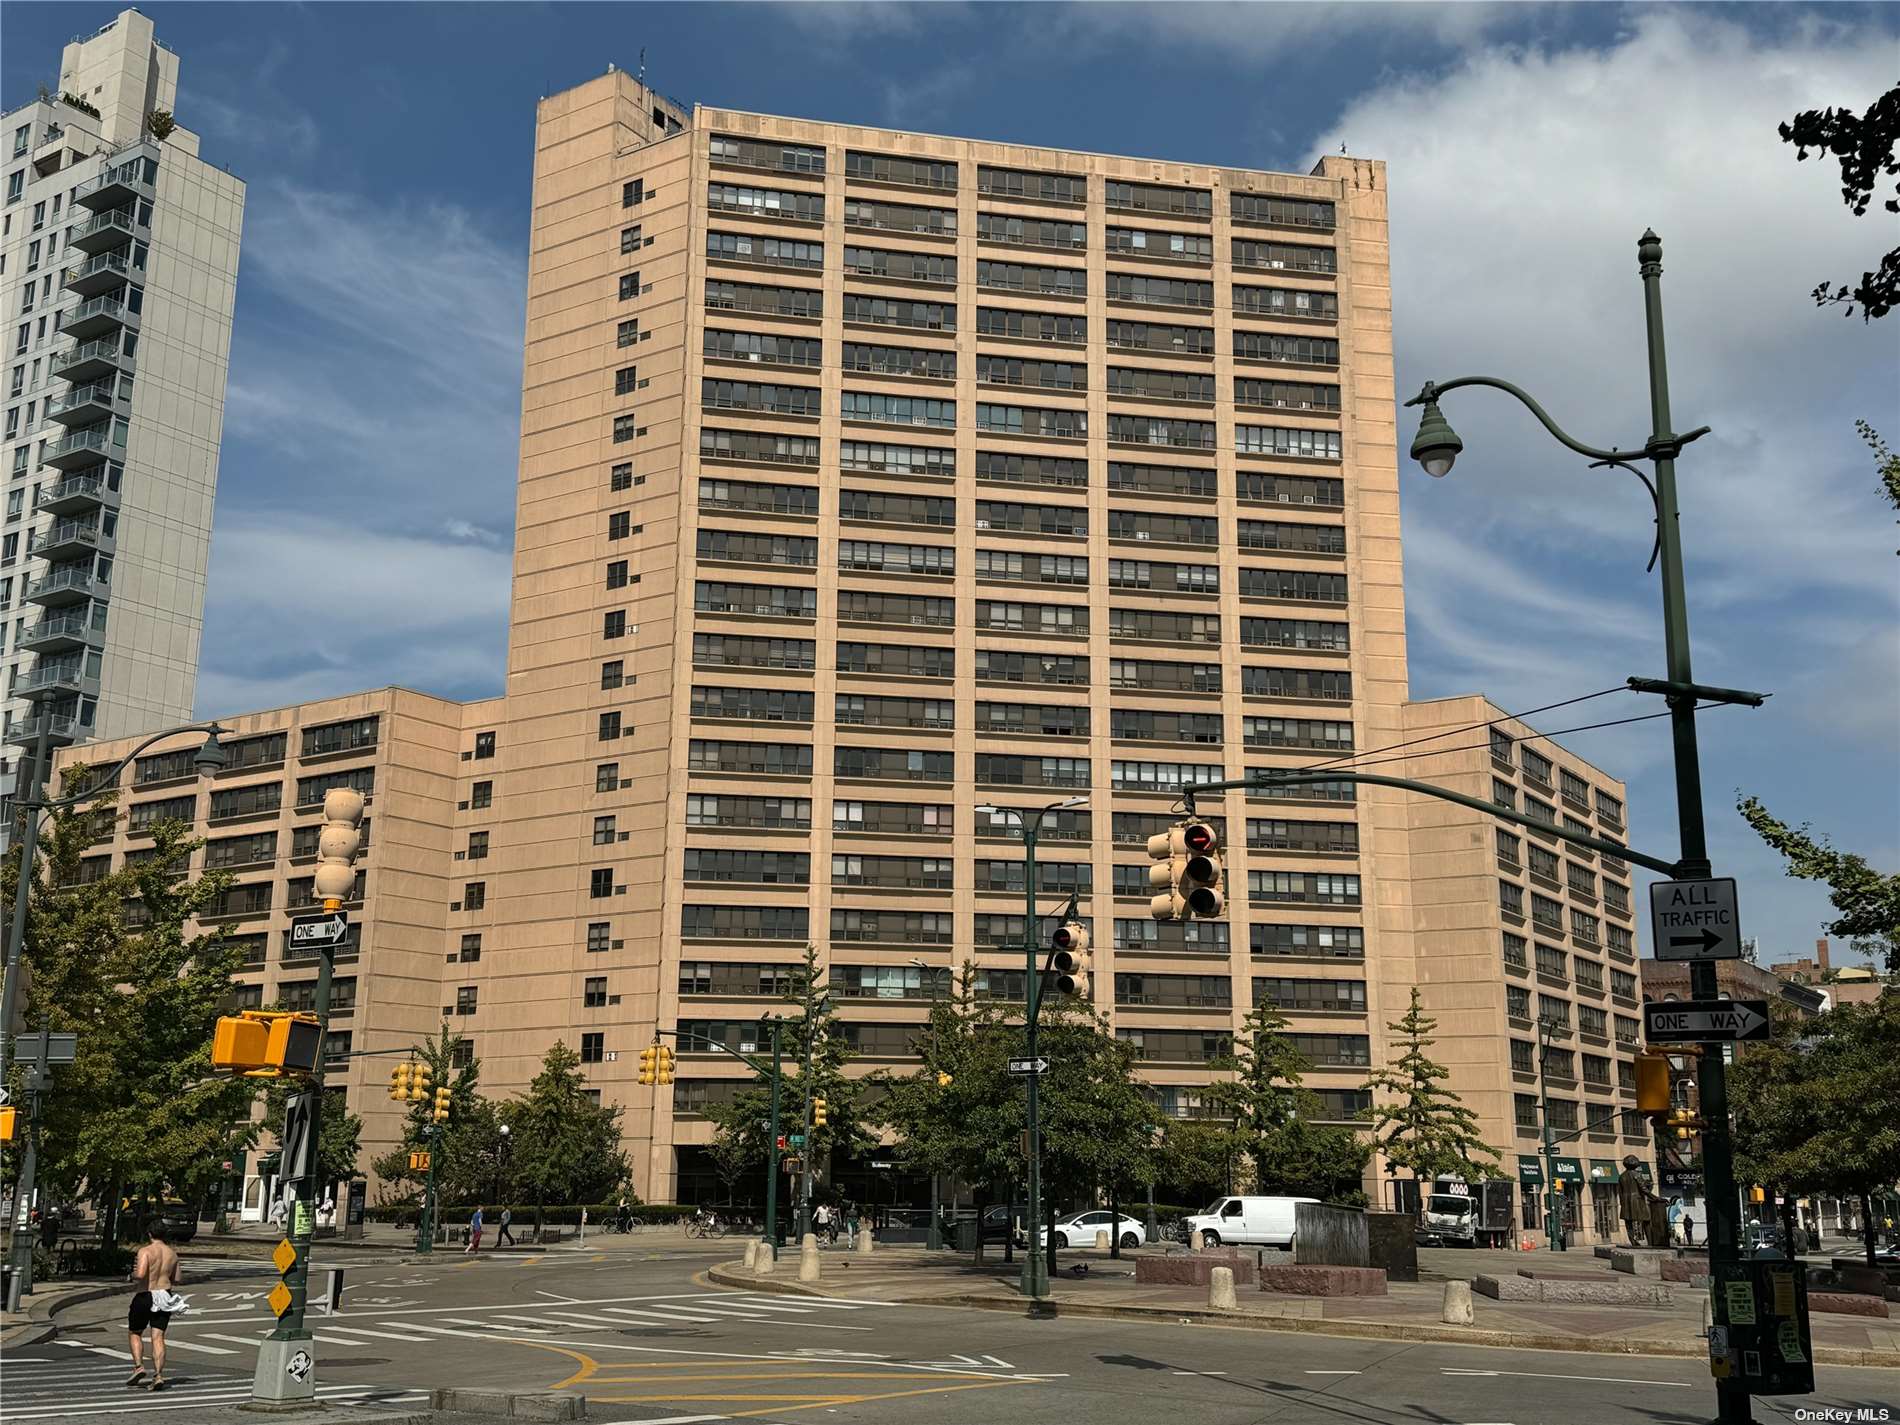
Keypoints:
pixel 375 366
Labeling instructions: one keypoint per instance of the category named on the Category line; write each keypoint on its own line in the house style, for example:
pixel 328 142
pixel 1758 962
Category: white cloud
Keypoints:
pixel 1520 180
pixel 1255 31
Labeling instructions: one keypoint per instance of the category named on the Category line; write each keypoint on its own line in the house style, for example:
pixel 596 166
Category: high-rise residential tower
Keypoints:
pixel 120 255
pixel 870 480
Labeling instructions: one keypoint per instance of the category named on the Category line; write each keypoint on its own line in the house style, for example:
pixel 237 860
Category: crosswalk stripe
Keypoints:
pixel 366 1331
pixel 753 1305
pixel 667 1316
pixel 472 1321
pixel 546 1323
pixel 250 1341
pixel 173 1343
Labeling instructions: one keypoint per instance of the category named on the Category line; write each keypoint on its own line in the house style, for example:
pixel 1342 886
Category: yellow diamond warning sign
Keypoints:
pixel 279 1299
pixel 285 1257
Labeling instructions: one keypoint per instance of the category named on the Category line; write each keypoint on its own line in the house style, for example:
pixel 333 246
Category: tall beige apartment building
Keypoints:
pixel 870 479
pixel 118 274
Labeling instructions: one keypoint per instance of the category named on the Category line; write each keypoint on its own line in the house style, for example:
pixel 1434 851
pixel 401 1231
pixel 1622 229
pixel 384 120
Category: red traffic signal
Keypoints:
pixel 1199 837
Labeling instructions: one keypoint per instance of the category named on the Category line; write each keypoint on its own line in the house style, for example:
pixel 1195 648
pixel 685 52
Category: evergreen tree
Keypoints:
pixel 1420 1124
pixel 139 1111
pixel 565 1147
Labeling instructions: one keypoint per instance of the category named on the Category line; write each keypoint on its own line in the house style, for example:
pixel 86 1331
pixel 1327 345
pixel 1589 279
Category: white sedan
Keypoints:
pixel 1079 1228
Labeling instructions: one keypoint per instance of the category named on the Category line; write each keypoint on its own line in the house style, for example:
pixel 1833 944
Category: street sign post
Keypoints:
pixel 56 1048
pixel 311 932
pixel 1716 1021
pixel 1028 1066
pixel 1695 920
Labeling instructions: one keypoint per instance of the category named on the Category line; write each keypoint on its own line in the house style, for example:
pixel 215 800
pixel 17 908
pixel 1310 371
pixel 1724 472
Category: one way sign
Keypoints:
pixel 1695 920
pixel 1705 1021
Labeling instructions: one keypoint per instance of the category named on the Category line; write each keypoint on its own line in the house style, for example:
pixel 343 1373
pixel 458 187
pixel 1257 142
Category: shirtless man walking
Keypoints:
pixel 155 1270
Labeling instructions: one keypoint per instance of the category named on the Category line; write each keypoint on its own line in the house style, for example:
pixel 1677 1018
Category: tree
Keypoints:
pixel 1867 901
pixel 1421 1125
pixel 139 1108
pixel 565 1147
pixel 1195 1156
pixel 1885 461
pixel 463 1150
pixel 815 1034
pixel 160 124
pixel 1865 145
pixel 339 1132
pixel 734 1159
pixel 1099 1124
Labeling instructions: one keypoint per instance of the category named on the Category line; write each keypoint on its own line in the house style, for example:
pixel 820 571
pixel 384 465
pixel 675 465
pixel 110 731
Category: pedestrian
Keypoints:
pixel 501 1230
pixel 623 1219
pixel 155 1272
pixel 474 1232
pixel 851 1221
pixel 821 1222
pixel 1688 1229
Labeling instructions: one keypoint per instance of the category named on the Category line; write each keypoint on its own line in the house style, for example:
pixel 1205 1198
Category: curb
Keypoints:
pixel 39 1327
pixel 1311 1326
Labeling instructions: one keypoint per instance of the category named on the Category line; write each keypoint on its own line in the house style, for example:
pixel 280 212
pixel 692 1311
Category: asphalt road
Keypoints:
pixel 646 1338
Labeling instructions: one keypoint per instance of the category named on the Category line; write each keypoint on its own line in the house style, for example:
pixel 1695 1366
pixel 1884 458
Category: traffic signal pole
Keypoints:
pixel 1035 1276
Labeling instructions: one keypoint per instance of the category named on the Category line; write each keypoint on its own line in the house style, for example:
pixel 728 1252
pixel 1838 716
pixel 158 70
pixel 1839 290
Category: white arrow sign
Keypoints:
pixel 1708 1020
pixel 1028 1066
pixel 319 929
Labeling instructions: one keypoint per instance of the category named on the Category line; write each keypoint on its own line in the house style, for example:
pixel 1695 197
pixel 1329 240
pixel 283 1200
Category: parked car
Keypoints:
pixel 1080 1228
pixel 1252 1221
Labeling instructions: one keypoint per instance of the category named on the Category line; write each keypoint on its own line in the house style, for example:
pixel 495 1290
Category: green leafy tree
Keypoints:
pixel 1195 1156
pixel 734 1159
pixel 1885 462
pixel 1099 1123
pixel 1418 1122
pixel 139 1111
pixel 462 1150
pixel 1864 144
pixel 815 1053
pixel 565 1148
pixel 1866 901
pixel 339 1132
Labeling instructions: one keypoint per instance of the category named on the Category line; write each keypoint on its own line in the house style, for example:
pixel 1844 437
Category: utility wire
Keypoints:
pixel 1456 731
pixel 1474 746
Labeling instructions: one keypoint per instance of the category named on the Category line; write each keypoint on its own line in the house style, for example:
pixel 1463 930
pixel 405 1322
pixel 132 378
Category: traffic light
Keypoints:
pixel 337 845
pixel 1557 1185
pixel 419 1160
pixel 650 1064
pixel 399 1081
pixel 818 1117
pixel 443 1097
pixel 1755 1194
pixel 420 1082
pixel 266 1043
pixel 1652 1083
pixel 1684 1121
pixel 1187 872
pixel 665 1064
pixel 1070 962
pixel 9 1118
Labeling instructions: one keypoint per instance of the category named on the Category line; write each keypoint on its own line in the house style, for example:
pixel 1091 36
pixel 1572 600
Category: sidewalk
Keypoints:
pixel 1411 1312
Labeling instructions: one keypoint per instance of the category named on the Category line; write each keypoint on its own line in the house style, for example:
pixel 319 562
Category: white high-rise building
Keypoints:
pixel 118 276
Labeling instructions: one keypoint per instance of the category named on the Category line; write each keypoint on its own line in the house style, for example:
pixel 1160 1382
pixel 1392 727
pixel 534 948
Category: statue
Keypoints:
pixel 1645 1215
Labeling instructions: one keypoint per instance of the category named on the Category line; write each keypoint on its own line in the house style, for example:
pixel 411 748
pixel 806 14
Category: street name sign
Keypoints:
pixel 1695 920
pixel 1708 1021
pixel 46 1048
pixel 317 931
pixel 1028 1066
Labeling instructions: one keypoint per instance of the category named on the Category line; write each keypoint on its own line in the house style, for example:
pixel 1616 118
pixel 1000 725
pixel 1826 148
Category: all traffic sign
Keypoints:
pixel 1695 920
pixel 1708 1021
pixel 319 930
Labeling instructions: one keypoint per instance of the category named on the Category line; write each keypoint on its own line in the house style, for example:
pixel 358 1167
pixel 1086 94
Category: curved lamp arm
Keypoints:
pixel 112 777
pixel 1662 448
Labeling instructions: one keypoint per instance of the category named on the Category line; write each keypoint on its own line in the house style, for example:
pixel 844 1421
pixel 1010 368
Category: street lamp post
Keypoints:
pixel 1436 447
pixel 1554 1220
pixel 1035 1275
pixel 501 1167
pixel 209 758
pixel 933 1234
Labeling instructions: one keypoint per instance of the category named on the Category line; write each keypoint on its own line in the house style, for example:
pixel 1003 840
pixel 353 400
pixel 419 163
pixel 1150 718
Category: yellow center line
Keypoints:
pixel 780 1405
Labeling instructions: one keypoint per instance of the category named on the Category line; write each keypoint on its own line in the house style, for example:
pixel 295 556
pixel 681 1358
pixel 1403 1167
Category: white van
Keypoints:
pixel 1251 1221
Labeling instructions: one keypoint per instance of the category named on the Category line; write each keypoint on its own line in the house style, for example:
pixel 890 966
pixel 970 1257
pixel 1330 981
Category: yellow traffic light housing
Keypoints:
pixel 665 1065
pixel 443 1097
pixel 1557 1185
pixel 420 1082
pixel 399 1081
pixel 9 1124
pixel 1755 1194
pixel 650 1064
pixel 1187 873
pixel 266 1043
pixel 1652 1083
pixel 818 1115
pixel 1070 960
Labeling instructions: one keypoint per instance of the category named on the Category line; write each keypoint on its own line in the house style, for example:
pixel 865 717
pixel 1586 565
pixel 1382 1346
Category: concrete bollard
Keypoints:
pixel 1101 1241
pixel 1220 1289
pixel 1458 1310
pixel 751 1255
pixel 1195 1241
pixel 808 1258
pixel 764 1258
pixel 866 1242
pixel 1708 1314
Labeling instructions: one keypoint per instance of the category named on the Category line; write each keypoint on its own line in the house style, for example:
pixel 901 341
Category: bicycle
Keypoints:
pixel 706 1224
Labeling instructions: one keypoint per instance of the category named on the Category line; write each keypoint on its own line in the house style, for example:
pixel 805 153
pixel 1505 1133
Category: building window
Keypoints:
pixel 607 777
pixel 633 194
pixel 484 745
pixel 628 333
pixel 625 380
pixel 481 796
pixel 600 883
pixel 474 895
pixel 624 429
pixel 612 674
pixel 619 525
pixel 609 726
pixel 478 846
pixel 471 947
pixel 614 624
pixel 593 1048
pixel 603 830
pixel 594 992
pixel 630 238
pixel 465 999
pixel 599 936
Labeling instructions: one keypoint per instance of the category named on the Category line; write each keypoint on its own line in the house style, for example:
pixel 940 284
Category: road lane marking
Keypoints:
pixel 382 1335
pixel 1222 1373
pixel 1542 1375
pixel 250 1341
pixel 1325 1373
pixel 179 1345
pixel 667 1316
